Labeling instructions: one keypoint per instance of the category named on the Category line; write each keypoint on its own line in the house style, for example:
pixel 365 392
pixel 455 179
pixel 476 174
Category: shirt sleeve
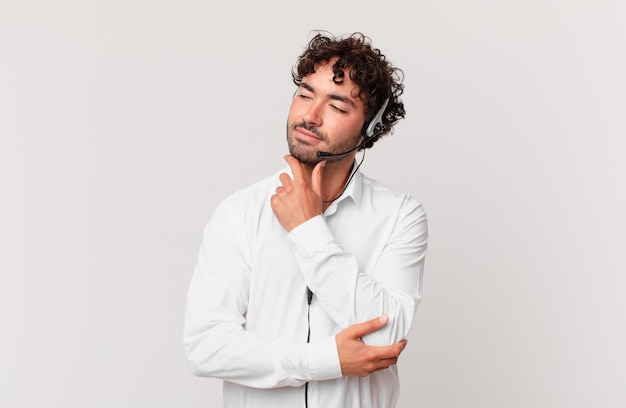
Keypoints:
pixel 215 341
pixel 350 295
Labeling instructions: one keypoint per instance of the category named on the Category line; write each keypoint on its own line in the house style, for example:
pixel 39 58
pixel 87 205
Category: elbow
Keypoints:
pixel 193 364
pixel 195 367
pixel 201 367
pixel 401 314
pixel 195 370
pixel 199 364
pixel 401 322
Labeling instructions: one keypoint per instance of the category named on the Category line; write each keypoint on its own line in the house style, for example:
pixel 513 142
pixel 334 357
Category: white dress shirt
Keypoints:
pixel 247 315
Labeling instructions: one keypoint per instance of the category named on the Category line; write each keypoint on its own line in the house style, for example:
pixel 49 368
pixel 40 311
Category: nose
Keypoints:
pixel 313 115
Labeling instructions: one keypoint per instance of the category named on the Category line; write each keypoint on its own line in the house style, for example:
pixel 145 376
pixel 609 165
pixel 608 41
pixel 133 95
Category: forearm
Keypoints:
pixel 390 284
pixel 244 358
pixel 350 297
pixel 216 341
pixel 218 346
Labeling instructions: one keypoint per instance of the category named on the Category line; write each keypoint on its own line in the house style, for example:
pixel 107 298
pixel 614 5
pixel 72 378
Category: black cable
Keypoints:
pixel 349 180
pixel 309 299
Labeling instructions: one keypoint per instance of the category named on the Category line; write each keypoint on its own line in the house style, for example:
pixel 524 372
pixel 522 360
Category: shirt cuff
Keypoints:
pixel 311 237
pixel 323 360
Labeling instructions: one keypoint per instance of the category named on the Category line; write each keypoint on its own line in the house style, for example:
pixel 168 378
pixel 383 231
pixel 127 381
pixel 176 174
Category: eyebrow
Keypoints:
pixel 340 98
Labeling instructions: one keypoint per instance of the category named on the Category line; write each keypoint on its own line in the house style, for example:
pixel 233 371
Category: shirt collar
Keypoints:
pixel 354 189
pixel 353 192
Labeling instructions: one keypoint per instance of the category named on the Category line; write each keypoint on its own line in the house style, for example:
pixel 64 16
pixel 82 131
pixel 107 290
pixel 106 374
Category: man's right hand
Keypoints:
pixel 359 359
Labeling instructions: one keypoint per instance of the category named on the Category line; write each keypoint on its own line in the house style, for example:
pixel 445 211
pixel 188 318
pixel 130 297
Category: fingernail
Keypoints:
pixel 383 319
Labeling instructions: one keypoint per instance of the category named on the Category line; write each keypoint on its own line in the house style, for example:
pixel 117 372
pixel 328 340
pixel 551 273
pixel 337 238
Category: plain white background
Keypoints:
pixel 124 123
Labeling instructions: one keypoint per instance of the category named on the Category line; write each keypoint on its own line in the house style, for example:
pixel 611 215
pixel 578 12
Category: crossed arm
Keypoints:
pixel 218 346
pixel 298 200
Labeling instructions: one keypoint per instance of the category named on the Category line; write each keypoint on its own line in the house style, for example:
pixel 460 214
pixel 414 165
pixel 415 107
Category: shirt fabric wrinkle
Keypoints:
pixel 266 361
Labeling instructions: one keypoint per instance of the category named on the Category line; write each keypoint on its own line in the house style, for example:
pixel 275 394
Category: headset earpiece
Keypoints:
pixel 374 126
pixel 370 129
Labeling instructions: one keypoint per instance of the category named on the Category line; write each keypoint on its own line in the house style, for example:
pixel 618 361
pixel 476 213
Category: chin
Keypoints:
pixel 304 153
pixel 309 158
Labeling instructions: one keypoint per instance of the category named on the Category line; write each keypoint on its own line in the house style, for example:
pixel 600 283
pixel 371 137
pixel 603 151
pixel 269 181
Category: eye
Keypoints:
pixel 338 109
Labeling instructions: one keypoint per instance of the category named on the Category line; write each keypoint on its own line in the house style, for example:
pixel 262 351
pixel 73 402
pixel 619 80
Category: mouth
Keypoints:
pixel 306 135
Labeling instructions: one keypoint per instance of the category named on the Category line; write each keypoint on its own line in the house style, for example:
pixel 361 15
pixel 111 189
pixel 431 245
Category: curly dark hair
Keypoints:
pixel 368 68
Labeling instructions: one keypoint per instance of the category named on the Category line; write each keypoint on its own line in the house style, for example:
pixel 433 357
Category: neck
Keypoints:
pixel 334 178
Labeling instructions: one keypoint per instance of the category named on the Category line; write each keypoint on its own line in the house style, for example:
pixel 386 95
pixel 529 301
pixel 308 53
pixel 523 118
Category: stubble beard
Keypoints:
pixel 306 153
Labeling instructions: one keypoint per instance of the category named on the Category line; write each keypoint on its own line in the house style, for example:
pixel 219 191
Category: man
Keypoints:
pixel 308 281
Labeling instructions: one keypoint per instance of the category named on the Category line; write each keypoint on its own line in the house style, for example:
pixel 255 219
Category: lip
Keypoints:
pixel 306 135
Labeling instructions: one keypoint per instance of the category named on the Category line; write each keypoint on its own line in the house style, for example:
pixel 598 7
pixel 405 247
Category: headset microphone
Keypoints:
pixel 370 129
pixel 327 154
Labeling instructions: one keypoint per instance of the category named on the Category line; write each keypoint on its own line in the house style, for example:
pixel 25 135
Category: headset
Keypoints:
pixel 375 125
pixel 370 129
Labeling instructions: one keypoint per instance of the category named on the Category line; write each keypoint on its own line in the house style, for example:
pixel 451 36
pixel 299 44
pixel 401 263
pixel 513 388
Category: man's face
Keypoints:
pixel 324 116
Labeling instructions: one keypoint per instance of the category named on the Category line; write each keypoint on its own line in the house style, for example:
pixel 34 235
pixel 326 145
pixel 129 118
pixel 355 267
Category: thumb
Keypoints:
pixel 316 178
pixel 370 326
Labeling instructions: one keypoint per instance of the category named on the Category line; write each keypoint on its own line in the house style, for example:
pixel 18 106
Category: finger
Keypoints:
pixel 388 353
pixel 370 326
pixel 396 349
pixel 285 179
pixel 379 362
pixel 316 178
pixel 385 363
pixel 296 167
